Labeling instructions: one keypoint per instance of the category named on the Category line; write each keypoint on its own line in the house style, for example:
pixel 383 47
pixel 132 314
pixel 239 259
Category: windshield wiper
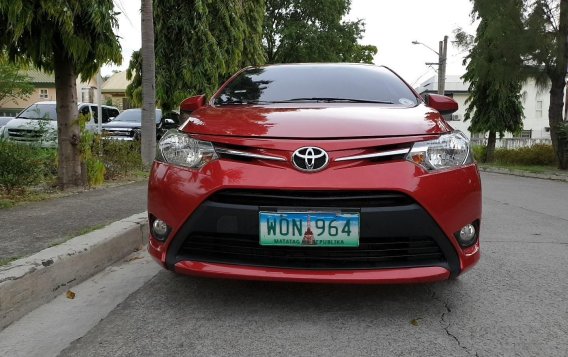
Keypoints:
pixel 331 100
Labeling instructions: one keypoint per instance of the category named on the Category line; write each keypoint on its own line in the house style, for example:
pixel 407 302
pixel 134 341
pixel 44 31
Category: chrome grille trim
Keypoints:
pixel 375 155
pixel 248 154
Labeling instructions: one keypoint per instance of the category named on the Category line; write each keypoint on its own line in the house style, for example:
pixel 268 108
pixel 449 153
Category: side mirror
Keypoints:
pixel 190 104
pixel 445 105
pixel 111 118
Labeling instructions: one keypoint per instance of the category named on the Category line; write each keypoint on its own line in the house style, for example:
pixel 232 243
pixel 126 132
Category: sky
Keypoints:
pixel 391 25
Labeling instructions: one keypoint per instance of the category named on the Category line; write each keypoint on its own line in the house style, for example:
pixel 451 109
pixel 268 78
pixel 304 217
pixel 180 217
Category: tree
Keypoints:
pixel 306 31
pixel 13 84
pixel 148 144
pixel 494 70
pixel 212 39
pixel 69 38
pixel 542 54
pixel 547 54
pixel 134 75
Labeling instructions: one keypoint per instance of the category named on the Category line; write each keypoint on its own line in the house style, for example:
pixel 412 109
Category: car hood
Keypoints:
pixel 315 121
pixel 121 125
pixel 33 124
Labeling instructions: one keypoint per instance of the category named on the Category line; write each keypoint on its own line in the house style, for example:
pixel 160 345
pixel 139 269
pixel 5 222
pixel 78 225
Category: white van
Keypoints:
pixel 38 123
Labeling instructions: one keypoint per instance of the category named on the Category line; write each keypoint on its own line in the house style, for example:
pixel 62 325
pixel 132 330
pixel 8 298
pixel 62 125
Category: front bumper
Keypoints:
pixel 438 205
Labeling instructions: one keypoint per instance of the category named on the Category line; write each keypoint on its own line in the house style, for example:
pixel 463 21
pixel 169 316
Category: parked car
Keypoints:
pixel 128 125
pixel 316 173
pixel 38 123
pixel 4 121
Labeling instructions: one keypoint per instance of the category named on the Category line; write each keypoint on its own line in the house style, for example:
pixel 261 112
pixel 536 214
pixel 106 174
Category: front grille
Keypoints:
pixel 24 134
pixel 372 253
pixel 395 232
pixel 341 199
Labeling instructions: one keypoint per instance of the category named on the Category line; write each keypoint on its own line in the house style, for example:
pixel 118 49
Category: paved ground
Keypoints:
pixel 512 304
pixel 29 228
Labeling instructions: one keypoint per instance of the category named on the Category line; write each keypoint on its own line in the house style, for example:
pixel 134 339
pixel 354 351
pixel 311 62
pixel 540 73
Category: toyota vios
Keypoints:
pixel 316 173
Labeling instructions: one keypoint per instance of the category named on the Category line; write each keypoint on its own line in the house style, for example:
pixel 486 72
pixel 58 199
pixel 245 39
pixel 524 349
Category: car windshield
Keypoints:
pixel 317 83
pixel 39 111
pixel 135 116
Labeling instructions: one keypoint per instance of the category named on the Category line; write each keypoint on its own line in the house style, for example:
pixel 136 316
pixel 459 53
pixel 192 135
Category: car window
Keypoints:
pixel 85 110
pixel 113 113
pixel 131 115
pixel 109 113
pixel 95 111
pixel 297 83
pixel 39 111
pixel 135 115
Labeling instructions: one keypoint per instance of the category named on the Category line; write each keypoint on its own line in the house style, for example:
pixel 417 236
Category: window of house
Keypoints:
pixel 525 134
pixel 43 94
pixel 539 108
pixel 86 95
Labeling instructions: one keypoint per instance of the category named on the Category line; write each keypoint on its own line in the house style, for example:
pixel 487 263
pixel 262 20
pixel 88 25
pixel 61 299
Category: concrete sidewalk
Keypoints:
pixel 30 228
pixel 61 242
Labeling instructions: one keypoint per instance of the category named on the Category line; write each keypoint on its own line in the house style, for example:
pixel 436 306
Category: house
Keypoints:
pixel 44 84
pixel 114 91
pixel 535 102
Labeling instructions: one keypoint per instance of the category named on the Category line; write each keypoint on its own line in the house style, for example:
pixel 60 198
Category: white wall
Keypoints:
pixel 535 120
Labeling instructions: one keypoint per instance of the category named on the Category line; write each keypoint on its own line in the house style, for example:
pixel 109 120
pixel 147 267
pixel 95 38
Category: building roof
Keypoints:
pixel 454 84
pixel 37 76
pixel 117 83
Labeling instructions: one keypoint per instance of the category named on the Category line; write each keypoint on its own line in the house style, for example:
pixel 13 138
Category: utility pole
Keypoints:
pixel 442 60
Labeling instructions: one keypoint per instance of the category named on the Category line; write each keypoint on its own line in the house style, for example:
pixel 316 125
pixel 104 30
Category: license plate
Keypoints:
pixel 309 229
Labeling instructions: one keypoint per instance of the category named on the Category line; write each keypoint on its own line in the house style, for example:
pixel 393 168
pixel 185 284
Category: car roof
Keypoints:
pixel 52 102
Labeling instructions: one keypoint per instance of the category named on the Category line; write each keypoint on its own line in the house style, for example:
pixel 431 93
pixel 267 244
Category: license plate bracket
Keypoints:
pixel 309 228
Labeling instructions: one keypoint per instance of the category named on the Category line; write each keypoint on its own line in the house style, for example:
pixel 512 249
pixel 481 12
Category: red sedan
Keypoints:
pixel 335 173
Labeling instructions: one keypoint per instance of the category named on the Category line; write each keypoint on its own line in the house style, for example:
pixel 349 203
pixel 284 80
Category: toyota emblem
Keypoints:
pixel 310 159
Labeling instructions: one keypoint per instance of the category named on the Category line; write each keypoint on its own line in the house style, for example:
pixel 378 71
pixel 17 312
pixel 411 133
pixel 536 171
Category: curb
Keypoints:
pixel 551 176
pixel 27 283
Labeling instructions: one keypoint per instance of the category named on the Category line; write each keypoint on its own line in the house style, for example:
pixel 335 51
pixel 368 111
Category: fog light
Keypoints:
pixel 160 230
pixel 467 235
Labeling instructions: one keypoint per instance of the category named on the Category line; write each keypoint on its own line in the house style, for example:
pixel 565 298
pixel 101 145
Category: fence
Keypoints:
pixel 513 143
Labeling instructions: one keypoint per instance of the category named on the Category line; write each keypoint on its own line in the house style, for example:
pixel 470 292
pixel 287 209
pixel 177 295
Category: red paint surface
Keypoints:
pixel 385 276
pixel 451 197
pixel 313 120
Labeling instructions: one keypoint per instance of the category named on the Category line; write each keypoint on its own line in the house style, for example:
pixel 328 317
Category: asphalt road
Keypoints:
pixel 513 303
pixel 29 228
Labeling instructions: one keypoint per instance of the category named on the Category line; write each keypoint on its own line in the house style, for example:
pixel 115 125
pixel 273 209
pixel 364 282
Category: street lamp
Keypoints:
pixel 442 59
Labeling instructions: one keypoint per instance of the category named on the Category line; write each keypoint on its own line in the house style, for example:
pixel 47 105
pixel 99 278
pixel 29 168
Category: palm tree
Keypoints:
pixel 68 38
pixel 148 85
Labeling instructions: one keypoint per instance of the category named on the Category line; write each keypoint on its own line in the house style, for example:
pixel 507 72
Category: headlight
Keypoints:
pixel 181 149
pixel 449 150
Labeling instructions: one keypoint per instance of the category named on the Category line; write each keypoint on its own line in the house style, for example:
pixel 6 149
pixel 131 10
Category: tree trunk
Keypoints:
pixel 557 75
pixel 555 117
pixel 148 85
pixel 68 129
pixel 490 152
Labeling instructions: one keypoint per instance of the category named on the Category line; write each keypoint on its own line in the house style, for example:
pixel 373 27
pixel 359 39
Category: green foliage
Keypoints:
pixel 134 75
pixel 494 68
pixel 529 41
pixel 32 30
pixel 200 43
pixel 539 154
pixel 93 164
pixel 24 165
pixel 69 38
pixel 479 152
pixel 306 31
pixel 13 84
pixel 120 158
